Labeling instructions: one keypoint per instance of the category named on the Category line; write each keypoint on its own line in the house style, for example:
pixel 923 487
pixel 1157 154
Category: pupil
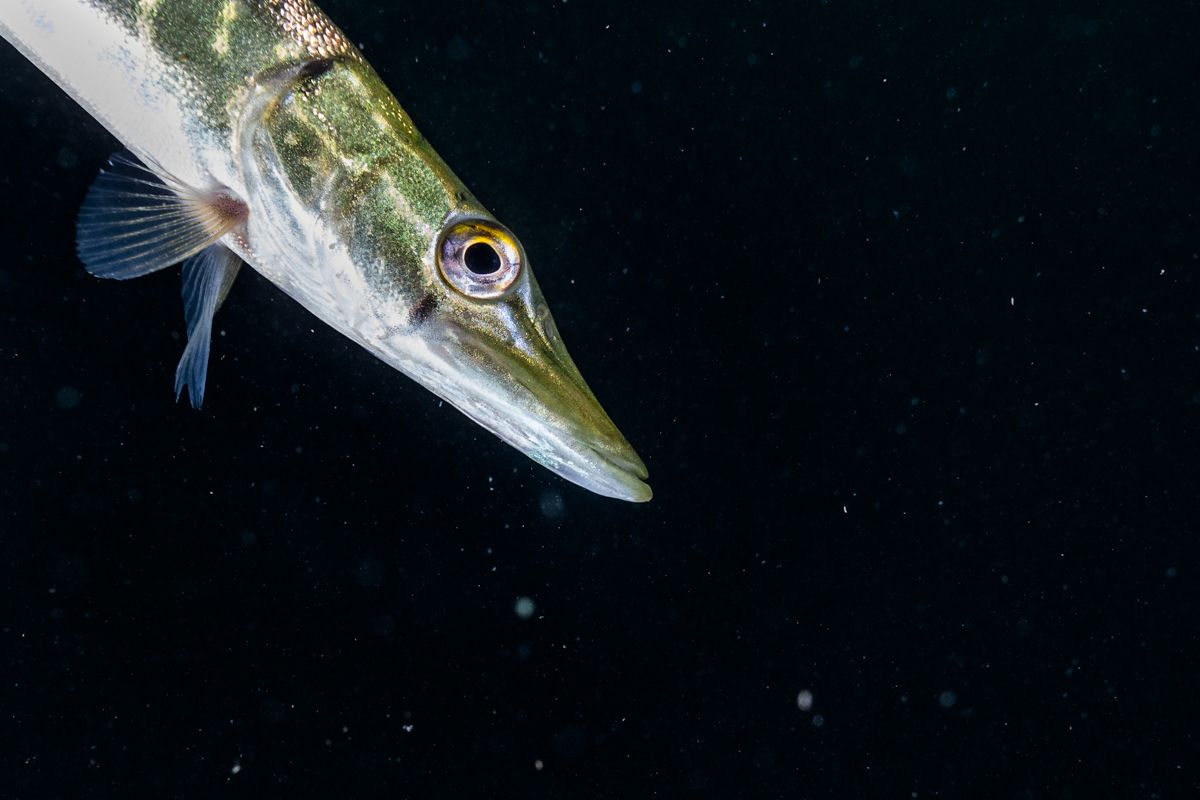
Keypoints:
pixel 482 259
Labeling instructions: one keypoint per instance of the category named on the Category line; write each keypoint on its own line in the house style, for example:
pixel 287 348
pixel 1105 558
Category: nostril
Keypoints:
pixel 549 329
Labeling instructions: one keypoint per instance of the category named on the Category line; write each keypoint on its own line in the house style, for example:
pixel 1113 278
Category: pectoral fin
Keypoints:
pixel 136 220
pixel 207 277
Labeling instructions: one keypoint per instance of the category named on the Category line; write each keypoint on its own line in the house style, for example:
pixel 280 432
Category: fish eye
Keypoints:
pixel 479 258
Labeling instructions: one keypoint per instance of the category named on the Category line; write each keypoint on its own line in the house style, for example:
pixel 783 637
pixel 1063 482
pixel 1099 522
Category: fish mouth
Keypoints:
pixel 534 399
pixel 626 476
pixel 594 467
pixel 633 482
pixel 631 464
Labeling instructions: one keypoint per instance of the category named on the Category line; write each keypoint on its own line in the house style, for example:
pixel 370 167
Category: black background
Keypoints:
pixel 901 308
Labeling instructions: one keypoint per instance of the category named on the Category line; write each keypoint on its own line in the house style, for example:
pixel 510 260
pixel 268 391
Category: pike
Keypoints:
pixel 256 133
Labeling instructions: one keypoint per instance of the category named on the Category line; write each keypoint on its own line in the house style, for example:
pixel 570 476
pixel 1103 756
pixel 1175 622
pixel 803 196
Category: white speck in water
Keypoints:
pixel 524 607
pixel 538 765
pixel 947 699
pixel 235 769
pixel 408 727
pixel 804 700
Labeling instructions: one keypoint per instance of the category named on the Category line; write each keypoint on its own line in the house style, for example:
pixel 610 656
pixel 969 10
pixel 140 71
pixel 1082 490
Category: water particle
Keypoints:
pixel 537 764
pixel 458 49
pixel 552 505
pixel 235 769
pixel 636 87
pixel 818 721
pixel 947 699
pixel 68 397
pixel 67 158
pixel 370 573
pixel 524 607
pixel 804 700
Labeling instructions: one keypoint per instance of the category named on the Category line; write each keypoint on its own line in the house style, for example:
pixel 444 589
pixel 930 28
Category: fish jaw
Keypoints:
pixel 534 398
pixel 505 367
pixel 530 395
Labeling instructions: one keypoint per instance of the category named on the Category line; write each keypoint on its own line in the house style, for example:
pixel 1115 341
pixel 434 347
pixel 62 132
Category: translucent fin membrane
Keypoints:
pixel 207 277
pixel 135 220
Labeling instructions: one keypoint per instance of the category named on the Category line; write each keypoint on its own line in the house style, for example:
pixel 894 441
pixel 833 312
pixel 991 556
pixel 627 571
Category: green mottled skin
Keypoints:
pixel 344 122
pixel 222 44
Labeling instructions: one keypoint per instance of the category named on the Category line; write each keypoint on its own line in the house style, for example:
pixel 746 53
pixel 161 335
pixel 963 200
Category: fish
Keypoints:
pixel 254 132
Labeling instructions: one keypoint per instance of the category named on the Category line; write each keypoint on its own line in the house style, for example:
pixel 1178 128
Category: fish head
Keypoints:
pixel 404 260
pixel 495 353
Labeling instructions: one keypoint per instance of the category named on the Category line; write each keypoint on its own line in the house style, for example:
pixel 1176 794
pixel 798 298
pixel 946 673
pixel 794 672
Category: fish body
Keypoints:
pixel 258 133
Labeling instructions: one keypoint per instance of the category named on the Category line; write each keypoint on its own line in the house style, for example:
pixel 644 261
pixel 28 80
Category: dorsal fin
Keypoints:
pixel 136 220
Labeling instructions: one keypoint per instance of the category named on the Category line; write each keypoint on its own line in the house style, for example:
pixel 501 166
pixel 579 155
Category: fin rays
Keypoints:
pixel 136 220
pixel 206 280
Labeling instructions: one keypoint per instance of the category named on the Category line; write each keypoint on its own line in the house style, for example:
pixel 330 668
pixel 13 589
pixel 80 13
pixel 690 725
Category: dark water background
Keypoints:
pixel 902 308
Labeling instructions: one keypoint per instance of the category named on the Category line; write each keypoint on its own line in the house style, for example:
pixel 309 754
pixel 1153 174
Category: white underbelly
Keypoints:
pixel 122 82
